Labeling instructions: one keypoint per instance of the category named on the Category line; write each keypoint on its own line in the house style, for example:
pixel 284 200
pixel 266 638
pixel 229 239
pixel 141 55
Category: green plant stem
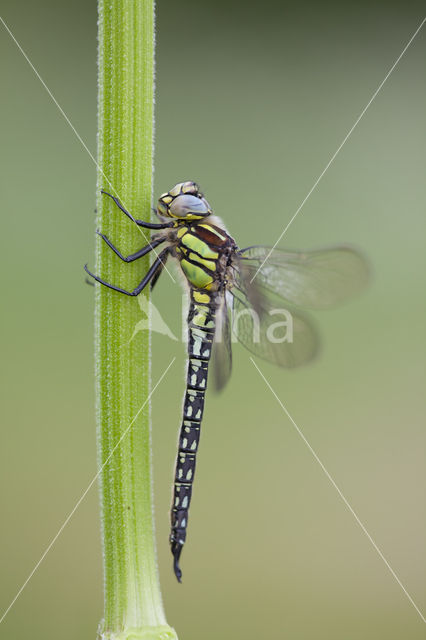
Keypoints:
pixel 133 605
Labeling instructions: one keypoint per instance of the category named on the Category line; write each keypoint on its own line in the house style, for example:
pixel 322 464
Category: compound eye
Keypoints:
pixel 190 188
pixel 184 206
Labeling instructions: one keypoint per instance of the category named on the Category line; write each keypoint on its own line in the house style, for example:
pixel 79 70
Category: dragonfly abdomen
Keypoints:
pixel 201 327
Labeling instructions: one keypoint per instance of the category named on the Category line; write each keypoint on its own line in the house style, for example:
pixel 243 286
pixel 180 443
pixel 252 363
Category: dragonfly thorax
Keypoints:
pixel 184 202
pixel 204 251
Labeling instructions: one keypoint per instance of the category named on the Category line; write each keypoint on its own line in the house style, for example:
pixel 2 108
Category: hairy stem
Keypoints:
pixel 133 605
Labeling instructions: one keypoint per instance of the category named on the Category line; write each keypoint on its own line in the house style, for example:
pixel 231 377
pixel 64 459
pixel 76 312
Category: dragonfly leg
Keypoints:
pixel 158 263
pixel 140 223
pixel 156 275
pixel 133 256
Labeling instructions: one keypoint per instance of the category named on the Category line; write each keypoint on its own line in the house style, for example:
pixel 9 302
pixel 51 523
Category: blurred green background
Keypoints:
pixel 252 101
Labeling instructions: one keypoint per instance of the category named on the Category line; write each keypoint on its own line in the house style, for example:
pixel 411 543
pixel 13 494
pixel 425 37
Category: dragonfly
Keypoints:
pixel 233 294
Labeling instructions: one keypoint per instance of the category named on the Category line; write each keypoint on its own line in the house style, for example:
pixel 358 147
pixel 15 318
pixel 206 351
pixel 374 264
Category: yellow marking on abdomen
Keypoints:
pixel 201 297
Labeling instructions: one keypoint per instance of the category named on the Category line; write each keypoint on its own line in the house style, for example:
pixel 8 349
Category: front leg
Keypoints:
pixel 157 264
pixel 140 223
pixel 133 256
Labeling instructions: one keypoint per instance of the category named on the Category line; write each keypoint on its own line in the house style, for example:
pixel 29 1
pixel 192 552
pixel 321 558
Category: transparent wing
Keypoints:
pixel 221 365
pixel 272 330
pixel 312 279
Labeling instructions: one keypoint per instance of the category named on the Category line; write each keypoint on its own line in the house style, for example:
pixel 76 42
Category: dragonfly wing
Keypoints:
pixel 312 279
pixel 273 331
pixel 222 351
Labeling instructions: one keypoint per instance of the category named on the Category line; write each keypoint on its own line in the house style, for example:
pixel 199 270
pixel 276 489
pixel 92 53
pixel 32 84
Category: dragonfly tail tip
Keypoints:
pixel 177 570
pixel 176 551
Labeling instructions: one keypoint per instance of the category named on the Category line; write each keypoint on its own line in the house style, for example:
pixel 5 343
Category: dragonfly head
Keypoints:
pixel 185 201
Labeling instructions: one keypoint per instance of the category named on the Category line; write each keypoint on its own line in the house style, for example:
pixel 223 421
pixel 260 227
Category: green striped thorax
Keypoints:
pixel 185 202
